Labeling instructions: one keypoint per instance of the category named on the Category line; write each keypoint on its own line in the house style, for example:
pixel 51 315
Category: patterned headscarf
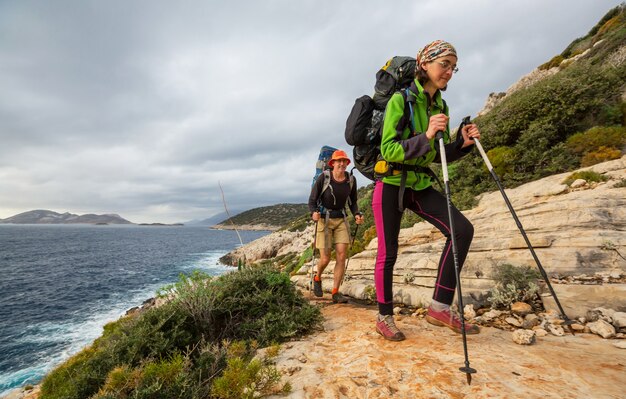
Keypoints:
pixel 434 50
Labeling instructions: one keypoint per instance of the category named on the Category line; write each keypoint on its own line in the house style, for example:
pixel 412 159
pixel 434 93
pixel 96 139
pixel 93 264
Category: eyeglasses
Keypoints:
pixel 447 66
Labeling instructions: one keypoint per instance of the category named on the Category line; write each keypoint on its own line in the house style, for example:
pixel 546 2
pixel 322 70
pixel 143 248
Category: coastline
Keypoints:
pixel 248 227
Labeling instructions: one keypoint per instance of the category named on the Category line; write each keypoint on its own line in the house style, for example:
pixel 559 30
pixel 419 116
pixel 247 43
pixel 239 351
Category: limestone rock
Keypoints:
pixel 555 330
pixel 513 321
pixel 521 308
pixel 468 312
pixel 531 320
pixel 490 315
pixel 602 328
pixel 523 337
pixel 619 319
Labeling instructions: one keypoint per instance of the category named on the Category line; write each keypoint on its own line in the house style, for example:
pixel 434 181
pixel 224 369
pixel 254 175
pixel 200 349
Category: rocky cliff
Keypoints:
pixel 578 233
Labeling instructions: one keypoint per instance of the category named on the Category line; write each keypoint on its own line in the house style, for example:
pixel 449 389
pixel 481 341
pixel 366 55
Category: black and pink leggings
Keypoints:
pixel 429 204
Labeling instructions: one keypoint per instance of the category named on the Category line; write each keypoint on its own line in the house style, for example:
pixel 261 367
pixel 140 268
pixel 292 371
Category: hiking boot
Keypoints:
pixel 386 327
pixel 450 320
pixel 317 288
pixel 339 298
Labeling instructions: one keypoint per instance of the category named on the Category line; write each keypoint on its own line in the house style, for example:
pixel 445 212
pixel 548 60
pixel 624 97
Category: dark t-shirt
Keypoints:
pixel 335 197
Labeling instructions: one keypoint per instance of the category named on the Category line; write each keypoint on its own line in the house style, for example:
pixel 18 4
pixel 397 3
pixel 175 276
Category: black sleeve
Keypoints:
pixel 415 146
pixel 454 151
pixel 316 190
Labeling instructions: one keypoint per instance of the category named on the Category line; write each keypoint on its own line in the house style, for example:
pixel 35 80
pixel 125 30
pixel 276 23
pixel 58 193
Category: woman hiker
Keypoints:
pixel 411 149
pixel 327 204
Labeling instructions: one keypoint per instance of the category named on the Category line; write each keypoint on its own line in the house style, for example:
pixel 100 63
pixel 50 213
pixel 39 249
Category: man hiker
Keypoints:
pixel 327 202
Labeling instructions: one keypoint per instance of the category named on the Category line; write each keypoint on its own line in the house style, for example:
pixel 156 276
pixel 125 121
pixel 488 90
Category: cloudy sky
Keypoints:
pixel 143 108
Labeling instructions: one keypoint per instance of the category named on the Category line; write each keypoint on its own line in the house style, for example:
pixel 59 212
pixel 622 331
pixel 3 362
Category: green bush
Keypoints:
pixel 602 154
pixel 554 62
pixel 588 175
pixel 596 137
pixel 513 284
pixel 177 349
pixel 502 159
pixel 246 378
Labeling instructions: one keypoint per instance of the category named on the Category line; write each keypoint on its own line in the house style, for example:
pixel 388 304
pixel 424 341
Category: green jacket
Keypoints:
pixel 416 149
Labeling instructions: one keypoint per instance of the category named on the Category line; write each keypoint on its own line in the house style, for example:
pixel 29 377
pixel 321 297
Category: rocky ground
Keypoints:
pixel 348 359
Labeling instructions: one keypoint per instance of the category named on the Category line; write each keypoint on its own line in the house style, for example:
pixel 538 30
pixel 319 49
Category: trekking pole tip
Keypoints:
pixel 468 373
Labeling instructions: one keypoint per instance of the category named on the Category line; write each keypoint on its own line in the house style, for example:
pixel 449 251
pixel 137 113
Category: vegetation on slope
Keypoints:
pixel 274 215
pixel 200 344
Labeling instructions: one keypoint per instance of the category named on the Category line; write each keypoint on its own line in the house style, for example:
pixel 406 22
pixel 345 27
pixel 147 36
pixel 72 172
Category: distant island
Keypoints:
pixel 42 216
pixel 161 224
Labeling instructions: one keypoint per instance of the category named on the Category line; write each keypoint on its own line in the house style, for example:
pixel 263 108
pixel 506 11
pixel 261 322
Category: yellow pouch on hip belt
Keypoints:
pixel 384 168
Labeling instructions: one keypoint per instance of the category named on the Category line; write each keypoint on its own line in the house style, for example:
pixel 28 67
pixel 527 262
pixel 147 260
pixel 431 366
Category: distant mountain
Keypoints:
pixel 42 216
pixel 213 220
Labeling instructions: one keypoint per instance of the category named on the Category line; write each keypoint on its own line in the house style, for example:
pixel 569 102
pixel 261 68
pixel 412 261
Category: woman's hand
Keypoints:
pixel 436 123
pixel 315 216
pixel 358 219
pixel 469 132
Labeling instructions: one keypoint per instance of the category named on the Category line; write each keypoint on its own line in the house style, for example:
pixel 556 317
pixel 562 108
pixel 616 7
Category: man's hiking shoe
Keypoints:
pixel 339 298
pixel 450 320
pixel 317 288
pixel 386 327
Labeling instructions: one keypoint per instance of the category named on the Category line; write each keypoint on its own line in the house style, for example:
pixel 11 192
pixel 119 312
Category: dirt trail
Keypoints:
pixel 350 360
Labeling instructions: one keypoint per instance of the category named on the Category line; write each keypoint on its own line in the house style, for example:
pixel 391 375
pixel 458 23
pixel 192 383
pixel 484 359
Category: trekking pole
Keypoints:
pixel 313 265
pixel 444 166
pixel 568 322
pixel 345 269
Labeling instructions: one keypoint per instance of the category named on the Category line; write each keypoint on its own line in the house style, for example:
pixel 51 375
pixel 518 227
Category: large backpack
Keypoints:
pixel 364 124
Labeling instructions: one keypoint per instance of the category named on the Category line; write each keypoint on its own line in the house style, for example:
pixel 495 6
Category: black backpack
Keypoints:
pixel 364 124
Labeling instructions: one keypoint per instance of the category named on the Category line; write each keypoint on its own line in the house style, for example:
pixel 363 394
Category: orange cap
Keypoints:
pixel 338 154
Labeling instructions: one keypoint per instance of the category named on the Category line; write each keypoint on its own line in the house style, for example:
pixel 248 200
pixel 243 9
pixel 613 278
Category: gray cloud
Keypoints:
pixel 142 107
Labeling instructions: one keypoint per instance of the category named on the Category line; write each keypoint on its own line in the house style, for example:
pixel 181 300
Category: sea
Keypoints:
pixel 60 284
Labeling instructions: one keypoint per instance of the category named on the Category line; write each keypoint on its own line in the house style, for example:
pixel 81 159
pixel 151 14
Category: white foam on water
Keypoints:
pixel 72 337
pixel 75 335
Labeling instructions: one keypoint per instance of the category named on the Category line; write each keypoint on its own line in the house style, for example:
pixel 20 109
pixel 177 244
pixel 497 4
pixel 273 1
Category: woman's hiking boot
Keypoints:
pixel 386 327
pixel 339 298
pixel 450 320
pixel 317 287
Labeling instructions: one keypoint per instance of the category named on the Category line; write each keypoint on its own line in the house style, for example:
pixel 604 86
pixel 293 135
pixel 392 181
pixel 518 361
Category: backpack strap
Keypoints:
pixel 327 185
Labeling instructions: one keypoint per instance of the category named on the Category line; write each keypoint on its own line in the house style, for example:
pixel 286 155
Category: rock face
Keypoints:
pixel 575 232
pixel 272 245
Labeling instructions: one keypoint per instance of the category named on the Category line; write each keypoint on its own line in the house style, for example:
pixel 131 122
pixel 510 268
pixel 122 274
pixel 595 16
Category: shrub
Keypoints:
pixel 602 154
pixel 587 175
pixel 596 137
pixel 502 159
pixel 246 378
pixel 554 62
pixel 177 349
pixel 370 294
pixel 513 284
pixel 620 184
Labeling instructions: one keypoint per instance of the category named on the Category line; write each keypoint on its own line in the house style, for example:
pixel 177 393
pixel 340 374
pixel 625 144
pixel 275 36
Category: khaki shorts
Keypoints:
pixel 337 231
